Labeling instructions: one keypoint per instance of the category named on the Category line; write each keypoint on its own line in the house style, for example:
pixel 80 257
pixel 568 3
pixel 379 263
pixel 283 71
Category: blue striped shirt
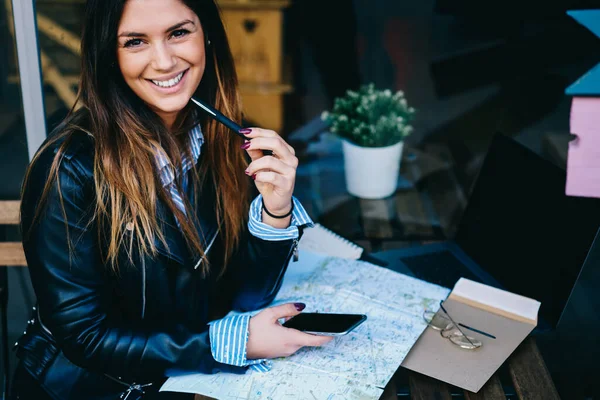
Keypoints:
pixel 228 336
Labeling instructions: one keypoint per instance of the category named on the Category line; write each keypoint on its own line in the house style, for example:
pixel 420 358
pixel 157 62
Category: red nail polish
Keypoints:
pixel 300 306
pixel 246 145
pixel 245 131
pixel 254 176
pixel 247 173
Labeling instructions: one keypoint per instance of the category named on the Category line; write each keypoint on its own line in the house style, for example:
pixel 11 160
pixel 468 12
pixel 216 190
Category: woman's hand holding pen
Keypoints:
pixel 274 175
pixel 268 339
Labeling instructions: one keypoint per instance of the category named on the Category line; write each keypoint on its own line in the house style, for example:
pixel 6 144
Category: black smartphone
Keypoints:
pixel 325 324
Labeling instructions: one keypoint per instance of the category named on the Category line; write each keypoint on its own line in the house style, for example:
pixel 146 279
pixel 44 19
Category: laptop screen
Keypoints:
pixel 523 230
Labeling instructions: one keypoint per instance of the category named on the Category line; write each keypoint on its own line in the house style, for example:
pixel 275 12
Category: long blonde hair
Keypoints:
pixel 127 133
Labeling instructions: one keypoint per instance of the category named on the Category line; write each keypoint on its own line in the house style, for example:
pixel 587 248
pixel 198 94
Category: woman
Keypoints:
pixel 136 219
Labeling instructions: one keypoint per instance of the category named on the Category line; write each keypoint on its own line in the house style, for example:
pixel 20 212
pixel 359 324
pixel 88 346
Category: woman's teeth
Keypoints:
pixel 170 82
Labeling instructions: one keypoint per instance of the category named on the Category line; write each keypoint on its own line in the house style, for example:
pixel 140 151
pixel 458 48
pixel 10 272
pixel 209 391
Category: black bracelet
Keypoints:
pixel 278 216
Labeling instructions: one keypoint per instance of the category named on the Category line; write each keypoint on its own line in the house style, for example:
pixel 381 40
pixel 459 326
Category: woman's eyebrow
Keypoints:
pixel 172 28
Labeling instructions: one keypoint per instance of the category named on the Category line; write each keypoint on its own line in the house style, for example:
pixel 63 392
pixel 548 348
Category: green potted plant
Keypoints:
pixel 372 124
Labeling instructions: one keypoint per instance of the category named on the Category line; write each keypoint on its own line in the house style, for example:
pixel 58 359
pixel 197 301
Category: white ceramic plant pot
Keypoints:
pixel 372 172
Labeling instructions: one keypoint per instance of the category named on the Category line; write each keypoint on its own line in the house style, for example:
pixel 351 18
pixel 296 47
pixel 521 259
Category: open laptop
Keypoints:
pixel 519 232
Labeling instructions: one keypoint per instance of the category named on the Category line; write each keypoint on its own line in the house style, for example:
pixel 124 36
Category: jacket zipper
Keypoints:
pixel 131 387
pixel 297 242
pixel 295 250
pixel 143 287
pixel 207 250
pixel 292 253
pixel 144 273
pixel 37 310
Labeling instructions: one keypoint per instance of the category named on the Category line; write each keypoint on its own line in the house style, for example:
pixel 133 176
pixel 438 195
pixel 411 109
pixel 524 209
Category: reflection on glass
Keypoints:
pixel 13 142
pixel 59 26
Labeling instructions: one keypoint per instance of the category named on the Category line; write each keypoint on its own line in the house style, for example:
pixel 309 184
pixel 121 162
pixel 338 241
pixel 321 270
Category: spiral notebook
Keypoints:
pixel 321 240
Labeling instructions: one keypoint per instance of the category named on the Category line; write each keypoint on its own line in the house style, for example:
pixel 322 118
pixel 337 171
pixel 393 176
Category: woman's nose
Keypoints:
pixel 164 58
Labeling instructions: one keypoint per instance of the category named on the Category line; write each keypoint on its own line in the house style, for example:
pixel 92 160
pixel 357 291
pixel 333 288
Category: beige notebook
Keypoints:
pixel 506 316
pixel 321 240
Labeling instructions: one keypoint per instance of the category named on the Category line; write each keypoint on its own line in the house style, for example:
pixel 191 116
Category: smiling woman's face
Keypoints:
pixel 161 54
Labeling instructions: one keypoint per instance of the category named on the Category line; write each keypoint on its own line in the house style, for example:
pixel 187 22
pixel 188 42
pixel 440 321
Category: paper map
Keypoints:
pixel 355 366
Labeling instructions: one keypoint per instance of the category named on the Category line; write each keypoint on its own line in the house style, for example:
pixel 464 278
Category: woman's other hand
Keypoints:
pixel 269 339
pixel 274 175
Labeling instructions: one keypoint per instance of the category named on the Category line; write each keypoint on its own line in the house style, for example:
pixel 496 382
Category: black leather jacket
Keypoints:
pixel 103 332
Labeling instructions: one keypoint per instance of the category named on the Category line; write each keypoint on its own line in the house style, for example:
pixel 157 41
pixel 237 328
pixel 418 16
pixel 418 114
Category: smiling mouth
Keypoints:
pixel 171 82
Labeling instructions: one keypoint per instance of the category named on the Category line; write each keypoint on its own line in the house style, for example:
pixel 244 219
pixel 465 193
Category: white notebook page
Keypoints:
pixel 323 241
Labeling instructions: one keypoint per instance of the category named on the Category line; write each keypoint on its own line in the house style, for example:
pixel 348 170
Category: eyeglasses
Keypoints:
pixel 449 329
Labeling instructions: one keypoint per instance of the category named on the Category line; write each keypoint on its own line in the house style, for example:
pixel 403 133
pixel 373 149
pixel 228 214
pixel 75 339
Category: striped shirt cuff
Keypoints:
pixel 267 232
pixel 228 338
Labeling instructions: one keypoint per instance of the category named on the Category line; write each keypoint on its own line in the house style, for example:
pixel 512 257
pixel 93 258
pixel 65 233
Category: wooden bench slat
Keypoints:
pixel 11 254
pixel 529 373
pixel 390 392
pixel 9 212
pixel 492 390
pixel 425 388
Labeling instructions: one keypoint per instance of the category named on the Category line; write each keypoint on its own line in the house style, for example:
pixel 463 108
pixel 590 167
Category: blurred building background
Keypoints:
pixel 470 68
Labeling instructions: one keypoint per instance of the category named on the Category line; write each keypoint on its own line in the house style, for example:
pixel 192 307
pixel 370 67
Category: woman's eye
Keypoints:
pixel 180 33
pixel 133 43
